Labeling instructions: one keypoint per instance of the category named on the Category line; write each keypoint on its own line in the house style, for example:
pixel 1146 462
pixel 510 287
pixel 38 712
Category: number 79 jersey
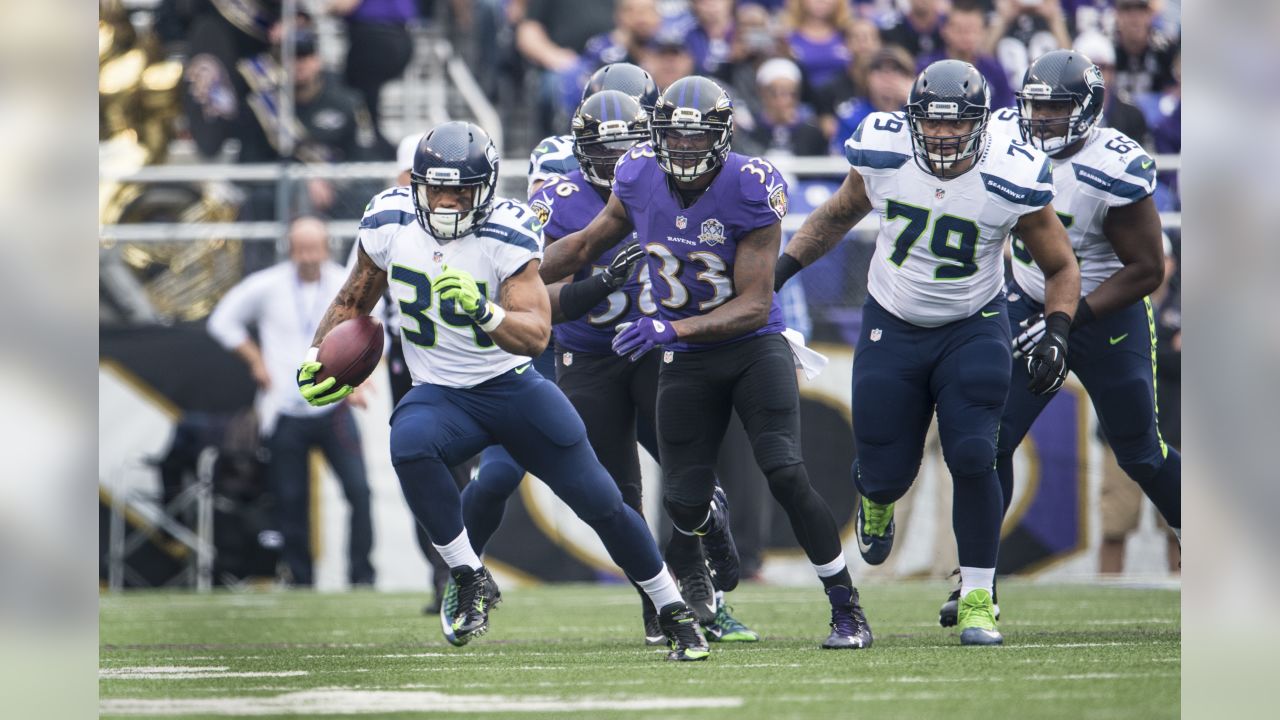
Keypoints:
pixel 939 253
pixel 442 346
pixel 692 251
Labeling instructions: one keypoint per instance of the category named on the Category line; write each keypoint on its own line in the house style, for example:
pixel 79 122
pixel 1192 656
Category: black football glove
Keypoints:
pixel 1047 361
pixel 623 263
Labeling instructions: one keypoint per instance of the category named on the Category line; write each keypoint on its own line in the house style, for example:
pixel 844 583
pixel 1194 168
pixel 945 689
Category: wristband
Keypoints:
pixel 312 354
pixel 1059 324
pixel 1084 314
pixel 577 298
pixel 786 267
pixel 496 316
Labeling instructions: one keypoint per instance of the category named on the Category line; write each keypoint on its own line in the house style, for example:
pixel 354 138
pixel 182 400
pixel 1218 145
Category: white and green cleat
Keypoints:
pixel 977 619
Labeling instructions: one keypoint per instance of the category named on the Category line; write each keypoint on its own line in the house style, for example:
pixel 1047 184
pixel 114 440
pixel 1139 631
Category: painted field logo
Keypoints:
pixel 712 232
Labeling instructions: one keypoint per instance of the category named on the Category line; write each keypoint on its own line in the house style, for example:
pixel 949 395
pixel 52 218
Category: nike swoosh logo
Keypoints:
pixel 1115 340
pixel 520 370
pixel 991 314
pixel 543 149
pixel 1148 164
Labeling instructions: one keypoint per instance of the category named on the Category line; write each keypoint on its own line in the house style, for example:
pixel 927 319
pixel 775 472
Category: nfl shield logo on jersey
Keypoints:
pixel 567 359
pixel 940 193
pixel 875 334
pixel 668 356
pixel 712 232
pixel 682 222
pixel 437 256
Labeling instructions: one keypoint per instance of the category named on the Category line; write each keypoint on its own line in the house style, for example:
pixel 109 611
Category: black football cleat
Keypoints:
pixel 653 634
pixel 695 586
pixel 717 543
pixel 477 594
pixel 849 627
pixel 684 636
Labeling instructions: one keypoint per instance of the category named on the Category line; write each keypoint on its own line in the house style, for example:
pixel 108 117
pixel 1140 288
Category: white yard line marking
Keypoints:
pixel 356 702
pixel 187 672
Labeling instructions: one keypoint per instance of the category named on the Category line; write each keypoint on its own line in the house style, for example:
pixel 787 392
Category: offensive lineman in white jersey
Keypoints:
pixel 932 331
pixel 1103 183
pixel 463 266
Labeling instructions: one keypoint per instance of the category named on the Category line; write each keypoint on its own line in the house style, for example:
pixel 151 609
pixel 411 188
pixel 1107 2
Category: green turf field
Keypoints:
pixel 1072 651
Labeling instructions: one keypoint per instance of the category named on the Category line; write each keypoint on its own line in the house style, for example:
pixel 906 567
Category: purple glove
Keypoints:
pixel 640 337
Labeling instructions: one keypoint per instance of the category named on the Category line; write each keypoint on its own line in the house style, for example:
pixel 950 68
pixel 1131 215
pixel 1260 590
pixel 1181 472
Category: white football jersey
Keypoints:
pixel 1109 170
pixel 552 156
pixel 442 347
pixel 939 254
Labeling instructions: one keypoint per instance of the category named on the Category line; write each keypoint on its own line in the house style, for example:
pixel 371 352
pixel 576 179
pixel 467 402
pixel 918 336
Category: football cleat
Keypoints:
pixel 849 627
pixel 684 636
pixel 447 606
pixel 476 594
pixel 653 634
pixel 875 531
pixel 977 620
pixel 717 543
pixel 947 614
pixel 726 628
pixel 695 586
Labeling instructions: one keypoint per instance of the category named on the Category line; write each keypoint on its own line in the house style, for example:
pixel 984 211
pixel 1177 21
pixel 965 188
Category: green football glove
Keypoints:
pixel 318 394
pixel 460 287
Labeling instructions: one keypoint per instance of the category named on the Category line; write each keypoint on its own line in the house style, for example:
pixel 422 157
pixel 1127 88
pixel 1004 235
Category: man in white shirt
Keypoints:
pixel 285 303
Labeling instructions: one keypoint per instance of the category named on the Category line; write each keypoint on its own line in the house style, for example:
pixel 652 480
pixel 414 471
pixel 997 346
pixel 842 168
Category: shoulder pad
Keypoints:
pixel 633 162
pixel 1005 122
pixel 881 142
pixel 762 184
pixel 392 206
pixel 1016 172
pixel 1116 166
pixel 512 222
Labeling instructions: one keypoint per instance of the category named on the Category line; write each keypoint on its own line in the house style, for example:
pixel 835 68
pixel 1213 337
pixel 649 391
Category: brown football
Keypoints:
pixel 351 351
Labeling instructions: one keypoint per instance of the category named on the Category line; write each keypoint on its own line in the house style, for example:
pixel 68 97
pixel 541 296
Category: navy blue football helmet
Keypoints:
pixel 455 154
pixel 948 90
pixel 1061 76
pixel 605 127
pixel 627 78
pixel 692 127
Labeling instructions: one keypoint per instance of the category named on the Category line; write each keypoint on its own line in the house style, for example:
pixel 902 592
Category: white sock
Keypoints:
pixel 459 553
pixel 1177 532
pixel 832 568
pixel 719 595
pixel 661 589
pixel 976 578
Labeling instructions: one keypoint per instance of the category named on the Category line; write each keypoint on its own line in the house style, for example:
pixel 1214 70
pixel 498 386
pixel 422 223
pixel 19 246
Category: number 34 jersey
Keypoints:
pixel 939 254
pixel 1109 170
pixel 442 346
pixel 692 251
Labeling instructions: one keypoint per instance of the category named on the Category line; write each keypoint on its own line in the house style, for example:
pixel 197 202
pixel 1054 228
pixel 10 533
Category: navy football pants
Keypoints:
pixel 434 427
pixel 1114 357
pixel 901 373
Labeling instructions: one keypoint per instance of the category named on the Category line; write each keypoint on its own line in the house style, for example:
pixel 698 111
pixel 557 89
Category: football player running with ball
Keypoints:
pixel 711 223
pixel 1103 182
pixel 934 332
pixel 463 266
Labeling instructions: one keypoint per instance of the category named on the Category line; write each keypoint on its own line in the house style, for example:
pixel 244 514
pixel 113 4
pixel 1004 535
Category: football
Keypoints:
pixel 351 351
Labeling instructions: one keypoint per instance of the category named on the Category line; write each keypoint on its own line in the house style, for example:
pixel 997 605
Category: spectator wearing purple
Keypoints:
pixel 378 50
pixel 636 22
pixel 1144 56
pixel 1023 30
pixel 711 39
pixel 1084 16
pixel 919 31
pixel 1119 112
pixel 817 39
pixel 889 77
pixel 864 43
pixel 963 33
pixel 784 126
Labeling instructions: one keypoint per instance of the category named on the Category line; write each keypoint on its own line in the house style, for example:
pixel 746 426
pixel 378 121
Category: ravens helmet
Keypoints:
pixel 1070 80
pixel 605 126
pixel 692 127
pixel 626 78
pixel 455 154
pixel 948 91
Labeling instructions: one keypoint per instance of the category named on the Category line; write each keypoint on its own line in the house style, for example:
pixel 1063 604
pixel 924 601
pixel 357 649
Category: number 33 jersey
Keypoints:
pixel 939 253
pixel 1109 170
pixel 692 251
pixel 442 346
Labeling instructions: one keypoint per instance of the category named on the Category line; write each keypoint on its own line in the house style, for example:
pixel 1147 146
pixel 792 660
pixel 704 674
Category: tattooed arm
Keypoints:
pixel 752 294
pixel 824 227
pixel 366 283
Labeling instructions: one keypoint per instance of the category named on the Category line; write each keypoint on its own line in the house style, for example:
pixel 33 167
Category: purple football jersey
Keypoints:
pixel 566 204
pixel 691 251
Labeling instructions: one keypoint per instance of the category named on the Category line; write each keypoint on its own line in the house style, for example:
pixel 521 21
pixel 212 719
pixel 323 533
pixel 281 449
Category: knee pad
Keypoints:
pixel 776 449
pixel 685 517
pixel 1142 467
pixel 788 482
pixel 970 456
pixel 414 437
